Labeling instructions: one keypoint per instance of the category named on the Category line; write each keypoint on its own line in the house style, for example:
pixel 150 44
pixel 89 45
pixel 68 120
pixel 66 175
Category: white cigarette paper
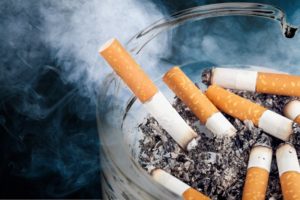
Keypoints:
pixel 287 159
pixel 292 109
pixel 160 108
pixel 234 78
pixel 261 157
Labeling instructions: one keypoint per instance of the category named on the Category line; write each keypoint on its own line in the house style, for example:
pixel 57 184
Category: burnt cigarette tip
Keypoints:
pixel 264 145
pixel 264 140
pixel 207 76
pixel 284 144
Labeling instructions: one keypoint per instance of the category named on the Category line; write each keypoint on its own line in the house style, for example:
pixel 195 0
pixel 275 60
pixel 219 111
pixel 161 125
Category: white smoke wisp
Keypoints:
pixel 77 29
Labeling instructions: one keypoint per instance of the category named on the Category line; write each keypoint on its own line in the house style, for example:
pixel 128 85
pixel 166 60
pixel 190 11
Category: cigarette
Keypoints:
pixel 289 171
pixel 145 90
pixel 243 109
pixel 177 186
pixel 199 104
pixel 262 82
pixel 292 111
pixel 257 177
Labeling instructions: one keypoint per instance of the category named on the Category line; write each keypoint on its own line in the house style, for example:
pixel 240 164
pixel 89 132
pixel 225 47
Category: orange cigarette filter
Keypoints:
pixel 177 186
pixel 192 96
pixel 235 105
pixel 192 194
pixel 290 183
pixel 280 84
pixel 297 120
pixel 131 73
pixel 256 184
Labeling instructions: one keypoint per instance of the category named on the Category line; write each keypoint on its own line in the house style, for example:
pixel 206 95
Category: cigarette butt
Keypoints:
pixel 289 171
pixel 262 82
pixel 126 67
pixel 234 78
pixel 257 177
pixel 177 186
pixel 243 109
pixel 145 90
pixel 292 111
pixel 199 104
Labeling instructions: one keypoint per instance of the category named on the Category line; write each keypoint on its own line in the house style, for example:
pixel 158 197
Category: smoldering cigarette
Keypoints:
pixel 243 109
pixel 145 90
pixel 257 177
pixel 289 171
pixel 199 104
pixel 262 82
pixel 292 111
pixel 177 186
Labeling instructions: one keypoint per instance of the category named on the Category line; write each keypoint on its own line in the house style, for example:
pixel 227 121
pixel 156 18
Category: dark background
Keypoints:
pixel 49 146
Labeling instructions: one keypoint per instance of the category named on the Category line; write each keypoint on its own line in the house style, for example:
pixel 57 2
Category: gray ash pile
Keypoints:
pixel 217 166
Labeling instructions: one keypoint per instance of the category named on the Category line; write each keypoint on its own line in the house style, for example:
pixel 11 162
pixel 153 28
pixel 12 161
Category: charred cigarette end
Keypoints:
pixel 145 90
pixel 292 111
pixel 176 186
pixel 126 67
pixel 234 78
pixel 199 104
pixel 257 177
pixel 264 140
pixel 170 120
pixel 243 109
pixel 206 76
pixel 289 171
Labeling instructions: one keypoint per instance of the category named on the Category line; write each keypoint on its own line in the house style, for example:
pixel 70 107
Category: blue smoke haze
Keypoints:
pixel 49 77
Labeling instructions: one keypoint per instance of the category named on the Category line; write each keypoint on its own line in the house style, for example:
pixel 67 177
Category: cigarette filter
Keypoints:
pixel 177 186
pixel 257 177
pixel 243 109
pixel 289 171
pixel 192 96
pixel 262 82
pixel 292 110
pixel 145 90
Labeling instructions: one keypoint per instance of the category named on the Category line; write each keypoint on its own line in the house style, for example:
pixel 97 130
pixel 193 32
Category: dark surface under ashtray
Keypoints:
pixel 217 167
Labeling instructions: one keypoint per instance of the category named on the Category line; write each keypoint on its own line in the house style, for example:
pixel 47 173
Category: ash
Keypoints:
pixel 217 166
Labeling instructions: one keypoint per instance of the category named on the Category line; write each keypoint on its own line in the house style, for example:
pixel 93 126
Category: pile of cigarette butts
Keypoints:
pixel 208 107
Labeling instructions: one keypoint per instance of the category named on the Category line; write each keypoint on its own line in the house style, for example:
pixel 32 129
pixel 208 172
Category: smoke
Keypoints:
pixel 51 71
pixel 49 77
pixel 75 32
